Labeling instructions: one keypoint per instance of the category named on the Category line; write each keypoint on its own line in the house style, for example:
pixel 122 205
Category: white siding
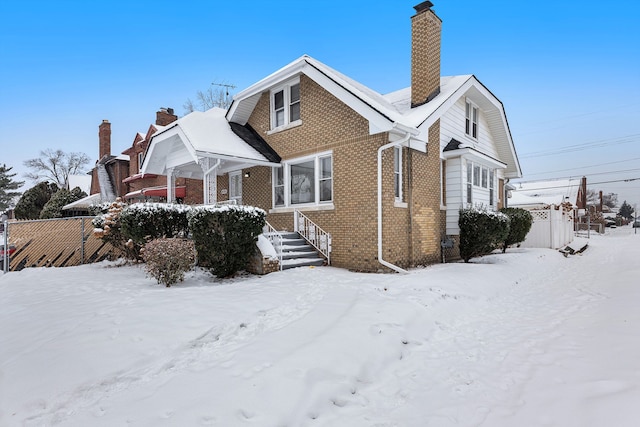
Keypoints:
pixel 455 193
pixel 452 125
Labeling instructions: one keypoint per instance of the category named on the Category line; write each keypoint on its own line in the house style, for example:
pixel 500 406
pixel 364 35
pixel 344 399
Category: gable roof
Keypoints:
pixel 206 134
pixel 552 192
pixel 389 113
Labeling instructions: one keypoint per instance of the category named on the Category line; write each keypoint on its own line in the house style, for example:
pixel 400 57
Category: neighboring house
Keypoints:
pixel 555 205
pixel 556 192
pixel 385 175
pixel 153 187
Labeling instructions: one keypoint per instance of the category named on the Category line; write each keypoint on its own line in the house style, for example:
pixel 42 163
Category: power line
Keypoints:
pixel 584 167
pixel 576 147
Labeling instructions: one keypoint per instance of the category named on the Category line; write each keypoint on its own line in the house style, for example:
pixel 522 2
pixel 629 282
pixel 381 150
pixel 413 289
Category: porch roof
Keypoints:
pixel 200 135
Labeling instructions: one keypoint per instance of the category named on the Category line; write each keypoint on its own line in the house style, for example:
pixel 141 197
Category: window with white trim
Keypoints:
pixel 471 119
pixel 285 104
pixel 397 173
pixel 482 178
pixel 304 181
pixel 140 160
pixel 492 193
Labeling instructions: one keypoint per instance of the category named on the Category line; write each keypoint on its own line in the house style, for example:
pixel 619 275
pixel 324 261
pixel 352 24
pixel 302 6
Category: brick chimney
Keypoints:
pixel 164 116
pixel 104 138
pixel 426 28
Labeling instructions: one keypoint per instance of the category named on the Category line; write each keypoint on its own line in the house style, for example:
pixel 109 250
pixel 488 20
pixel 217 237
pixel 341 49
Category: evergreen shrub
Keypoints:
pixel 167 259
pixel 520 222
pixel 225 236
pixel 481 231
pixel 142 222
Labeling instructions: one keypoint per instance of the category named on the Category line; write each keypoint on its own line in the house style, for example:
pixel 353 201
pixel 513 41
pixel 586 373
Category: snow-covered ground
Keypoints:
pixel 528 338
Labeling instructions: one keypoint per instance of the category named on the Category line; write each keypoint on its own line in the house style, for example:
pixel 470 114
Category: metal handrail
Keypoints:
pixel 276 238
pixel 314 235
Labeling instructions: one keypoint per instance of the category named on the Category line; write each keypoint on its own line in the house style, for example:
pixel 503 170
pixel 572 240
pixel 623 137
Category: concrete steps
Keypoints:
pixel 296 252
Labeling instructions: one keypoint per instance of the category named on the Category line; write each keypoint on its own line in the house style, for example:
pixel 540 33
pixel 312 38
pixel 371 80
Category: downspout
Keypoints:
pixel 404 139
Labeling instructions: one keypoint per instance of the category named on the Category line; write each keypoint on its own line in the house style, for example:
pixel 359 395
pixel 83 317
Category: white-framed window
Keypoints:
pixel 304 181
pixel 492 193
pixel 481 184
pixel 397 173
pixel 469 183
pixel 278 186
pixel 471 119
pixel 235 186
pixel 140 160
pixel 285 104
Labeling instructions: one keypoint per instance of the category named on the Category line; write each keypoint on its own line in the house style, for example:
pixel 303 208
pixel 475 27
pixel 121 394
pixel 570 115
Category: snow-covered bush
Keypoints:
pixel 225 236
pixel 520 221
pixel 166 260
pixel 142 222
pixel 108 228
pixel 481 231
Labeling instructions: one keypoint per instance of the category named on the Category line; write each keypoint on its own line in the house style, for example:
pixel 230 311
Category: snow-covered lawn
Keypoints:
pixel 528 338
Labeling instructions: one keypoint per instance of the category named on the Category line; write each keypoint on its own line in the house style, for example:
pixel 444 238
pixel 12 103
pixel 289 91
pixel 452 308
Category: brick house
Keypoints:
pixel 385 175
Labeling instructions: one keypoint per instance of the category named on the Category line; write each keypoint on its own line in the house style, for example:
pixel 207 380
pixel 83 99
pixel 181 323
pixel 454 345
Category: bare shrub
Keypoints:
pixel 166 260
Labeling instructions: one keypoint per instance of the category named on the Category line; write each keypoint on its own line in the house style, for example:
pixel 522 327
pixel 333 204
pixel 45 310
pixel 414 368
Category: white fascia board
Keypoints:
pixel 377 121
pixel 505 126
pixel 445 106
pixel 252 162
pixel 468 153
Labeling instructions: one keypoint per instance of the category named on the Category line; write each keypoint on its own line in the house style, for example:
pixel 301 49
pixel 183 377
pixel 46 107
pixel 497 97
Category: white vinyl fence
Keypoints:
pixel 552 228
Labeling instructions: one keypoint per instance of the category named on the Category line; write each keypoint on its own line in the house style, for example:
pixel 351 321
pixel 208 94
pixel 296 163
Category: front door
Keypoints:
pixel 235 186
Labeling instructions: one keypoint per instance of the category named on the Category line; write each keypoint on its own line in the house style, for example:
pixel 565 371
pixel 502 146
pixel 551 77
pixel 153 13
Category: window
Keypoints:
pixel 471 120
pixel 485 177
pixel 304 181
pixel 476 175
pixel 326 179
pixel 492 200
pixel 285 105
pixel 235 186
pixel 469 187
pixel 278 186
pixel 140 160
pixel 397 173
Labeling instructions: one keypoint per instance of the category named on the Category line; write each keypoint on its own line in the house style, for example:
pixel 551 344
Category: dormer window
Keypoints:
pixel 471 120
pixel 285 105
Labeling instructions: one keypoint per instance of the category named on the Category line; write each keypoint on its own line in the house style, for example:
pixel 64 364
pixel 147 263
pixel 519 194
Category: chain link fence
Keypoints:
pixel 61 242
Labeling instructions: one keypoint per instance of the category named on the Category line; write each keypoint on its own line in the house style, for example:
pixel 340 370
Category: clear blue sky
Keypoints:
pixel 568 72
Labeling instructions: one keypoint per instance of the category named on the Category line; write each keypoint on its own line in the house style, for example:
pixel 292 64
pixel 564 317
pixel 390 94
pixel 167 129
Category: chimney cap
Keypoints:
pixel 423 7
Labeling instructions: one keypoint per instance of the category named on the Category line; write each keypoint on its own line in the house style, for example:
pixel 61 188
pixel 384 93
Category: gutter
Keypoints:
pixel 407 136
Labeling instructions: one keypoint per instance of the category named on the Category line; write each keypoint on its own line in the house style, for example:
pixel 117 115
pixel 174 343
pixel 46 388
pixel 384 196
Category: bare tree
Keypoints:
pixel 212 97
pixel 56 166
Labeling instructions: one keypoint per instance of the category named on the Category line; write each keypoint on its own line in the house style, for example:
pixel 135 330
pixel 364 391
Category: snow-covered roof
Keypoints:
pixel 84 203
pixel 552 192
pixel 387 113
pixel 199 134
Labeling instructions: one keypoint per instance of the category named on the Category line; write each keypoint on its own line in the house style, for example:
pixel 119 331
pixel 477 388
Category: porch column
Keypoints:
pixel 209 180
pixel 171 185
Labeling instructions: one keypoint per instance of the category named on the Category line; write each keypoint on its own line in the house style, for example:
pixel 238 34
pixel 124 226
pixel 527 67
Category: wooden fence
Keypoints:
pixel 59 242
